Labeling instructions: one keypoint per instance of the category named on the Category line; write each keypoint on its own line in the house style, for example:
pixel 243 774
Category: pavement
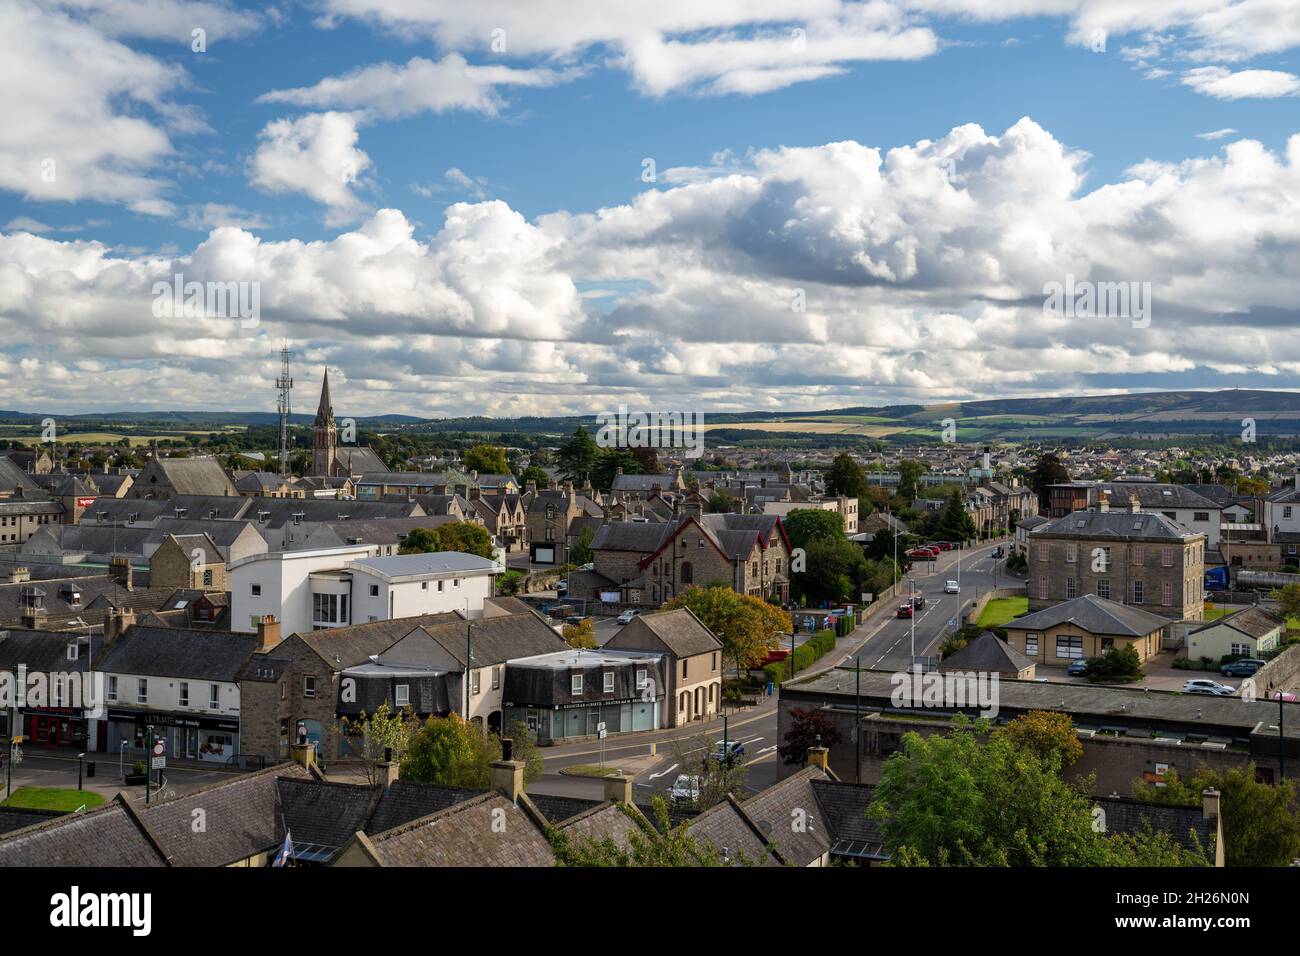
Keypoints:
pixel 885 642
pixel 57 767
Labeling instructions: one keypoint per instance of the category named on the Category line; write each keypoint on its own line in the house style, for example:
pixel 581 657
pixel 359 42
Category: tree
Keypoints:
pixel 807 726
pixel 645 846
pixel 1288 599
pixel 1259 826
pixel 883 547
pixel 379 732
pixel 833 571
pixel 808 524
pixel 747 625
pixel 608 464
pixel 954 522
pixel 1048 733
pixel 956 800
pixel 486 460
pixel 1047 470
pixel 580 552
pixel 581 635
pixel 717 777
pixel 448 751
pixel 577 456
pixel 909 478
pixel 461 536
pixel 720 501
pixel 845 477
pixel 536 475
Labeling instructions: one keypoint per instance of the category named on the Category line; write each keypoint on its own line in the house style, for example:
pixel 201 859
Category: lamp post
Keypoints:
pixel 911 618
pixel 857 718
pixel 80 757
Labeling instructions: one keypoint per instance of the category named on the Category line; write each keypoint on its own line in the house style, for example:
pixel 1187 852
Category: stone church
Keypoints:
pixel 329 459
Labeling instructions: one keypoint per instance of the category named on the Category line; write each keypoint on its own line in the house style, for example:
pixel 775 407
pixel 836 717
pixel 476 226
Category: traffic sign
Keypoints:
pixel 158 763
pixel 159 747
pixel 600 727
pixel 600 734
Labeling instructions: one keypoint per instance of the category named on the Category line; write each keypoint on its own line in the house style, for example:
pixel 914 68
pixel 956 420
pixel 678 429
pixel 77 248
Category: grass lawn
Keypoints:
pixel 1000 610
pixel 53 798
pixel 1214 613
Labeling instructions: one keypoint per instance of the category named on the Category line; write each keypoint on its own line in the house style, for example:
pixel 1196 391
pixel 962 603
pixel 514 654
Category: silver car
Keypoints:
pixel 685 789
pixel 1211 687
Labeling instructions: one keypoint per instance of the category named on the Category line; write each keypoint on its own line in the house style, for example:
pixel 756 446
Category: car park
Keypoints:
pixel 1245 667
pixel 951 587
pixel 1211 687
pixel 685 789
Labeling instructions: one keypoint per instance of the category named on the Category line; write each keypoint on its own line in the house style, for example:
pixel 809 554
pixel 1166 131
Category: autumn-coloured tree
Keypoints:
pixel 748 626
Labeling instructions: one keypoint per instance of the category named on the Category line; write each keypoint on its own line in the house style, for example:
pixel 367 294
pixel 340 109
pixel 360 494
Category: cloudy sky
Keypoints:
pixel 556 206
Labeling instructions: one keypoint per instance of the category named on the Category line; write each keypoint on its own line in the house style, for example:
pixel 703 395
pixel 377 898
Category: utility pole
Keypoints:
pixel 857 718
pixel 148 768
pixel 469 658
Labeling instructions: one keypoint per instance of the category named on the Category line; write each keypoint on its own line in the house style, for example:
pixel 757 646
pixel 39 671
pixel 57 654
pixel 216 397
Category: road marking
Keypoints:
pixel 768 749
pixel 656 776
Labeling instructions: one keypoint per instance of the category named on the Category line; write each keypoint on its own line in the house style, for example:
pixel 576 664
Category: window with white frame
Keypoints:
pixel 1069 647
pixel 309 687
pixel 183 698
pixel 474 682
pixel 1044 551
pixel 111 690
pixel 142 691
pixel 1071 553
pixel 575 684
pixel 1241 649
pixel 402 695
pixel 1166 593
pixel 609 682
pixel 1031 645
pixel 1070 589
pixel 214 697
pixel 1139 592
pixel 496 677
pixel 1043 594
pixel 1103 588
pixel 641 678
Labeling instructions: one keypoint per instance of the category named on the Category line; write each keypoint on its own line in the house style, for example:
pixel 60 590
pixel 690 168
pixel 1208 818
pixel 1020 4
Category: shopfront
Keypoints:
pixel 188 736
pixel 55 727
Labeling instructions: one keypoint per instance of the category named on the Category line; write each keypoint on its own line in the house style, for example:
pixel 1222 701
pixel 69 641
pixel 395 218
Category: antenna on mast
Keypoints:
pixel 284 384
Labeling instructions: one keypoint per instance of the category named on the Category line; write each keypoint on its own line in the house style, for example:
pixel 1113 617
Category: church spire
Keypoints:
pixel 325 411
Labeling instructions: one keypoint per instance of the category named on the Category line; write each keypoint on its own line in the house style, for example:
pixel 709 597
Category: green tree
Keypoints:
pixel 462 536
pixel 833 571
pixel 1047 470
pixel 809 524
pixel 381 731
pixel 1260 826
pixel 608 464
pixel 720 501
pixel 448 751
pixel 577 456
pixel 486 460
pixel 1048 733
pixel 909 478
pixel 1288 600
pixel 580 552
pixel 534 474
pixel 845 477
pixel 955 523
pixel 666 846
pixel 748 626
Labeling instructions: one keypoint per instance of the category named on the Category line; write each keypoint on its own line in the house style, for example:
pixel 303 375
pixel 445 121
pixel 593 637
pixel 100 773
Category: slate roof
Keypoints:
pixel 354 644
pixel 1253 622
pixel 98 592
pixel 325 814
pixel 724 826
pixel 405 801
pixel 1121 525
pixel 241 816
pixel 498 639
pixel 189 476
pixel 987 653
pixel 1127 815
pixel 358 459
pixel 1094 615
pixel 680 631
pixel 180 652
pixel 111 835
pixel 465 835
pixel 18 818
pixel 605 821
pixel 557 808
pixel 275 513
pixel 774 811
pixel 1156 495
pixel 44 650
pixel 844 808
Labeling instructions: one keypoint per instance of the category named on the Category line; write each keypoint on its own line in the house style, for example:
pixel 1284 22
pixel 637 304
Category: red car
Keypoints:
pixel 922 554
pixel 905 610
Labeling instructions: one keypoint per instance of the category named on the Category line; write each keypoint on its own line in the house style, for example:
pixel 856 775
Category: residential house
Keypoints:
pixel 1251 632
pixel 1087 626
pixel 694 661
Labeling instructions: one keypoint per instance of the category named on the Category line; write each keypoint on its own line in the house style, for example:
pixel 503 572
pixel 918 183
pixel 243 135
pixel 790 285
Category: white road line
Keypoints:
pixel 656 776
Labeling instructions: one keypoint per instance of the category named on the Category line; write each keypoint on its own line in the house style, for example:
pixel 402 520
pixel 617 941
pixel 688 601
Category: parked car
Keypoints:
pixel 685 789
pixel 574 619
pixel 626 616
pixel 951 587
pixel 920 554
pixel 997 552
pixel 1245 667
pixel 727 750
pixel 905 610
pixel 1211 687
pixel 1078 668
pixel 945 546
pixel 561 588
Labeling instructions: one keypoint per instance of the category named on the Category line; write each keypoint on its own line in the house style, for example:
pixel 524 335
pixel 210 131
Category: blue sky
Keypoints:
pixel 457 229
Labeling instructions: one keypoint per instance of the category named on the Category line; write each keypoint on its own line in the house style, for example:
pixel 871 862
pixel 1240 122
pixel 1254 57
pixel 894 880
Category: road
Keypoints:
pixel 884 644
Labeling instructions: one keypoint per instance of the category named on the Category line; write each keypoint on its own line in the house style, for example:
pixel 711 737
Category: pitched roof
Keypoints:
pixel 325 813
pixel 179 652
pixel 1121 525
pixel 724 826
pixel 680 630
pixel 345 646
pixel 1252 621
pixel 1156 495
pixel 789 817
pixel 111 835
pixel 469 833
pixel 989 653
pixel 1095 615
pixel 605 821
pixel 844 808
pixel 1187 825
pixel 498 639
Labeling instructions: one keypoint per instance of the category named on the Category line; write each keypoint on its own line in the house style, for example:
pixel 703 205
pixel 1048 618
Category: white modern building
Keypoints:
pixel 334 587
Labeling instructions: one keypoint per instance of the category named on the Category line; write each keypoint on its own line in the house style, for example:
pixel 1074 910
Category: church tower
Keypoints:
pixel 324 443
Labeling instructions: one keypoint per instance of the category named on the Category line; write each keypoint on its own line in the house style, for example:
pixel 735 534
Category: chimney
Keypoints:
pixel 762 482
pixel 620 471
pixel 618 788
pixel 818 756
pixel 1103 501
pixel 387 769
pixel 19 575
pixel 268 632
pixel 303 751
pixel 508 773
pixel 568 488
pixel 531 488
pixel 18 491
pixel 116 621
pixel 119 569
pixel 1134 506
pixel 1210 805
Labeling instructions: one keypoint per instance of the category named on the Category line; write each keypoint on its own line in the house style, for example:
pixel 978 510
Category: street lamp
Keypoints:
pixel 80 757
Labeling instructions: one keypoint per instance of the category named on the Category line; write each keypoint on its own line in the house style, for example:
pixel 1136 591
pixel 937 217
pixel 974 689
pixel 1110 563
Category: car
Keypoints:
pixel 1285 695
pixel 626 616
pixel 1211 687
pixel 1245 667
pixel 1078 667
pixel 727 750
pixel 920 554
pixel 945 545
pixel 951 587
pixel 685 789
pixel 561 588
pixel 905 610
pixel 917 601
pixel 574 619
pixel 997 552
